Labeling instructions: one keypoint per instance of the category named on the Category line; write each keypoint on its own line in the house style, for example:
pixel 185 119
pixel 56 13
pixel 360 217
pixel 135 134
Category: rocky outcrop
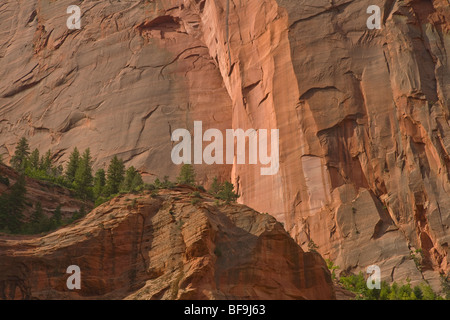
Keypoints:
pixel 48 194
pixel 161 246
pixel 363 114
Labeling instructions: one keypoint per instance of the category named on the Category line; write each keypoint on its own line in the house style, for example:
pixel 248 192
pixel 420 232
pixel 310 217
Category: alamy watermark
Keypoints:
pixel 74 281
pixel 374 21
pixel 74 20
pixel 213 152
pixel 374 280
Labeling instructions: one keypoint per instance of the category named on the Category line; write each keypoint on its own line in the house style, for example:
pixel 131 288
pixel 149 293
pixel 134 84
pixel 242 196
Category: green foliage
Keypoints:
pixel 223 191
pixel 187 175
pixel 99 183
pixel 133 180
pixel 100 200
pixel 226 193
pixel 78 177
pixel 417 257
pixel 312 247
pixel 154 193
pixel 195 194
pixel 445 284
pixel 357 284
pixel 116 171
pixel 39 222
pixel 57 216
pixel 33 161
pixel 77 215
pixel 4 180
pixel 332 268
pixel 12 205
pixel 72 166
pixel 18 161
pixel 83 177
pixel 45 164
pixel 215 187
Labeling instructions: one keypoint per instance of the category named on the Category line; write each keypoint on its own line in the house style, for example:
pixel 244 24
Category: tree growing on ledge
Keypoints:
pixel 19 159
pixel 12 205
pixel 116 171
pixel 227 193
pixel 73 164
pixel 187 175
pixel 83 176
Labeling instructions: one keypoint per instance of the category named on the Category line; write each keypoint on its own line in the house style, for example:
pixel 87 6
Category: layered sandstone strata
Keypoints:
pixel 162 246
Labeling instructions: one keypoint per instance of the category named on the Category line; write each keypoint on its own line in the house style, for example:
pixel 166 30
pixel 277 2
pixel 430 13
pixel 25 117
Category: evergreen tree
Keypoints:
pixel 18 161
pixel 33 161
pixel 83 176
pixel 187 175
pixel 215 187
pixel 15 204
pixel 227 193
pixel 72 166
pixel 137 181
pixel 129 176
pixel 46 162
pixel 99 183
pixel 57 216
pixel 78 214
pixel 37 215
pixel 418 292
pixel 4 180
pixel 116 171
pixel 4 205
pixel 133 179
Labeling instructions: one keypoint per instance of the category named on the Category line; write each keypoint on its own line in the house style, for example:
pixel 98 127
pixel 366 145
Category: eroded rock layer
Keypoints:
pixel 164 247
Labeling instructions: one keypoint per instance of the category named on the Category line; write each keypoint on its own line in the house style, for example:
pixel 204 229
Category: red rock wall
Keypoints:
pixel 362 113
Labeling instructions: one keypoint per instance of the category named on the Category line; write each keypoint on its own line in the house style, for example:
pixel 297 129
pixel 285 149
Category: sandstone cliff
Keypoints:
pixel 363 114
pixel 164 247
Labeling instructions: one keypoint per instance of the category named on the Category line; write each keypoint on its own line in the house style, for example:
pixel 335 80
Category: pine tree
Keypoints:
pixel 72 166
pixel 137 181
pixel 33 161
pixel 83 176
pixel 4 205
pixel 78 214
pixel 116 171
pixel 20 155
pixel 227 193
pixel 215 187
pixel 57 216
pixel 15 205
pixel 37 220
pixel 58 171
pixel 133 179
pixel 99 183
pixel 187 175
pixel 129 176
pixel 46 162
pixel 37 215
